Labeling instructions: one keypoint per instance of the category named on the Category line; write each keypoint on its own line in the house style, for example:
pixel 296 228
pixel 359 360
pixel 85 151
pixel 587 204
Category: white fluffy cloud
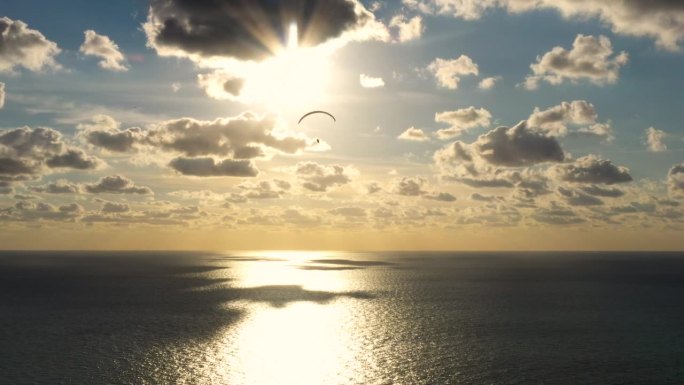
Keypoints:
pixel 654 139
pixel 591 58
pixel 407 29
pixel 21 46
pixel 371 82
pixel 414 134
pixel 461 120
pixel 2 94
pixel 579 115
pixel 448 72
pixel 661 20
pixel 488 83
pixel 103 47
pixel 221 85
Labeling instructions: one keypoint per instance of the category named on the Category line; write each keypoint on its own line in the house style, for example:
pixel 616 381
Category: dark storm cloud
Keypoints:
pixel 116 184
pixel 207 167
pixel 592 169
pixel 518 146
pixel 246 30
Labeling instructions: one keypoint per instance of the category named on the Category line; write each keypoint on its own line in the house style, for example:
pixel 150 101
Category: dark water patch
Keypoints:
pixel 351 262
pixel 119 318
pixel 329 268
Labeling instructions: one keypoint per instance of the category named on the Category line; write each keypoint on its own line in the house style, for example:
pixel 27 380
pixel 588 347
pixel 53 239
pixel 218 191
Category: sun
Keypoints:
pixel 294 78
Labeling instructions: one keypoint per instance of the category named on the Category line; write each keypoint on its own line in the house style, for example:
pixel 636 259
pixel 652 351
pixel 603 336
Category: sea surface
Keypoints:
pixel 341 318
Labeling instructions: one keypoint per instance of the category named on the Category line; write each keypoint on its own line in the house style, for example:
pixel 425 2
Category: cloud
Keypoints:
pixel 221 85
pixel 490 215
pixel 320 178
pixel 2 95
pixel 591 58
pixel 440 197
pixel 208 167
pixel 74 158
pixel 592 169
pixel 103 47
pixel 603 192
pixel 602 131
pixel 518 146
pixel 675 178
pixel 654 139
pixel 461 120
pixel 21 46
pixel 349 212
pixel 488 83
pixel 660 20
pixel 266 189
pixel 407 29
pixel 116 184
pixel 61 186
pixel 197 144
pixel 557 215
pixel 27 153
pixel 221 137
pixel 464 9
pixel 370 82
pixel 26 211
pixel 253 30
pixel 111 207
pixel 414 134
pixel 483 198
pixel 104 132
pixel 578 198
pixel 410 187
pixel 448 73
pixel 554 120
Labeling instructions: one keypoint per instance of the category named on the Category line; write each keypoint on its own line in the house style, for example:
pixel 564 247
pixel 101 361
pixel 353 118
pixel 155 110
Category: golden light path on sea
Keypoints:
pixel 299 342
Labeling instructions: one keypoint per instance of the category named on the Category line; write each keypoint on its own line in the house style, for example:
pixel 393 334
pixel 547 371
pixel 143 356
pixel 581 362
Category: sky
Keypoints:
pixel 460 125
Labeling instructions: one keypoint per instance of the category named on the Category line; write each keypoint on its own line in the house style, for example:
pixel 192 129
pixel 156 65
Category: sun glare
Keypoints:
pixel 294 78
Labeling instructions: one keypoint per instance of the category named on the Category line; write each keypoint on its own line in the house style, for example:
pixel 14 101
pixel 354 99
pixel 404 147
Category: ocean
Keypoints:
pixel 341 318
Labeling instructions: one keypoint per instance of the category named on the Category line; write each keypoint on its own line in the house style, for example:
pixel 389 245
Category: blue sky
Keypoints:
pixel 158 83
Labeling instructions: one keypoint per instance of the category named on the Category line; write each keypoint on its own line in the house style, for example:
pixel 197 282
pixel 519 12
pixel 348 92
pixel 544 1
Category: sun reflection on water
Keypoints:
pixel 300 342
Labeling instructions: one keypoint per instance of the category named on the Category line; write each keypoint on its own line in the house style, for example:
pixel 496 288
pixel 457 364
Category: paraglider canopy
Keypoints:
pixel 316 112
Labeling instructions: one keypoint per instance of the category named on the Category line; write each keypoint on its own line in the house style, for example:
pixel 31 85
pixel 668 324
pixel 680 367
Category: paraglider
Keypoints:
pixel 316 112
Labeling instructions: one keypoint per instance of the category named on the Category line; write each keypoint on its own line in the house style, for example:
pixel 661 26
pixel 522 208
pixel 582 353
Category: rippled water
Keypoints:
pixel 341 318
